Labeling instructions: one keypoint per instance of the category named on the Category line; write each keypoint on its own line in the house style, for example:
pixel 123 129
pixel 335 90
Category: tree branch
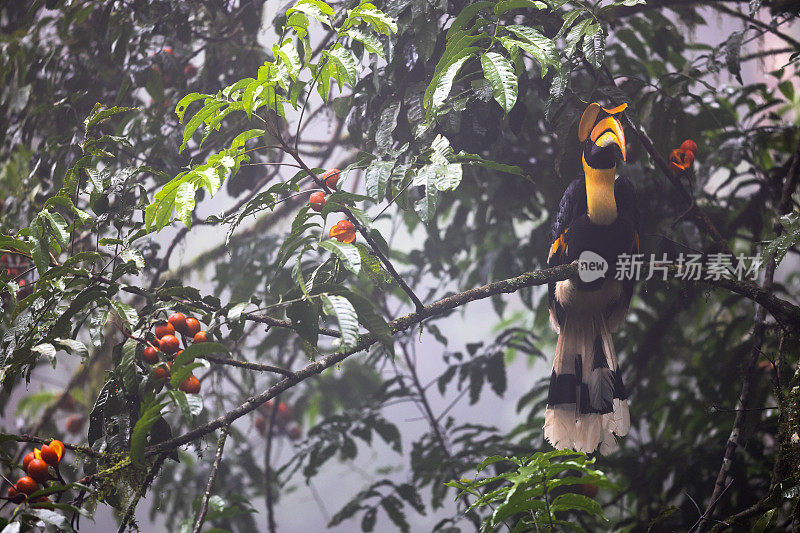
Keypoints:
pixel 201 515
pixel 529 279
pixel 248 365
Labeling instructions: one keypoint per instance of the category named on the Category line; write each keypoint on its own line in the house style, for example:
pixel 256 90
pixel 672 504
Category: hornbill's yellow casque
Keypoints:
pixel 587 403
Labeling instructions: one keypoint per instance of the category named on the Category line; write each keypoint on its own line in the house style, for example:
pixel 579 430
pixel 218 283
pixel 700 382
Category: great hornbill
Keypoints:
pixel 597 216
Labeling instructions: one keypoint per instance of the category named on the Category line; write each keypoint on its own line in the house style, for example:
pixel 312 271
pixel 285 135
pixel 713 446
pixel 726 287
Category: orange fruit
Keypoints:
pixel 343 231
pixel 169 344
pixel 331 178
pixel 178 321
pixel 49 455
pixel 190 385
pixel 317 201
pixel 15 496
pixel 200 336
pixel 26 485
pixel 261 424
pixel 38 470
pixel 58 447
pixel 192 327
pixel 161 373
pixel 150 355
pixel 164 328
pixel 27 459
pixel 689 145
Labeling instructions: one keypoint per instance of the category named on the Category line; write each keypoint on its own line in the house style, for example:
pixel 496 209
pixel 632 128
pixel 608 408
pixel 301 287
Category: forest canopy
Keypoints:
pixel 283 266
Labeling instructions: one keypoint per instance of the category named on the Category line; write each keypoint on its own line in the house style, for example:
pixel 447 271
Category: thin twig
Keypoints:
pixel 201 515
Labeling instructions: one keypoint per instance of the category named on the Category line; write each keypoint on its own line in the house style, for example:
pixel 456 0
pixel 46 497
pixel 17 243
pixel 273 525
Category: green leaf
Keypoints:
pixel 315 9
pixel 288 56
pixel 99 114
pixel 426 207
pixel 347 253
pixel 507 5
pixel 212 107
pixel 377 178
pixel 500 73
pixel 443 84
pixel 183 104
pixel 368 316
pixel 150 413
pixel 341 308
pixel 387 122
pixel 371 43
pixel 377 19
pixel 594 46
pixel 465 15
pixel 347 64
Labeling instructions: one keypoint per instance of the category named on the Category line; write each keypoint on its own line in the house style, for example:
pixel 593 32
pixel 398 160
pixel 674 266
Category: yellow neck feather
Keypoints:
pixel 600 194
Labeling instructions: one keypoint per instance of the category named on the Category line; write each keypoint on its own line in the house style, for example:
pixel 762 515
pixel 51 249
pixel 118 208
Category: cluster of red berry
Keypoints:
pixel 343 231
pixel 168 346
pixel 41 465
pixel 284 420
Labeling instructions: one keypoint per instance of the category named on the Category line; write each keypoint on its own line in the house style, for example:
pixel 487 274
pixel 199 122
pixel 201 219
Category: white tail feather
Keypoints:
pixel 564 426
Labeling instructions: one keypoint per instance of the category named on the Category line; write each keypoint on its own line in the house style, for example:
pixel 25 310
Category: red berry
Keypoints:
pixel 178 321
pixel 162 372
pixel 169 344
pixel 26 485
pixel 15 496
pixel 38 470
pixel 168 50
pixel 150 355
pixel 331 178
pixel 27 459
pixel 189 70
pixel 589 490
pixel 200 336
pixel 190 385
pixel 49 455
pixel 295 432
pixel 164 328
pixel 317 201
pixel 192 327
pixel 689 145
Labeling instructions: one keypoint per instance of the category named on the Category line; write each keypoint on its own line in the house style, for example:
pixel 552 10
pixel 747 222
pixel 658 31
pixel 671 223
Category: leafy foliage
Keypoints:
pixel 453 124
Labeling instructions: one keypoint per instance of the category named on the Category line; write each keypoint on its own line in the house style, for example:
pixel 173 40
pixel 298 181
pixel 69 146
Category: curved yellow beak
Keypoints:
pixel 607 132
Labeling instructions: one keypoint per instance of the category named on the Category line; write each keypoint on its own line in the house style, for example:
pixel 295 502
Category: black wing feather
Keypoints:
pixel 572 206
